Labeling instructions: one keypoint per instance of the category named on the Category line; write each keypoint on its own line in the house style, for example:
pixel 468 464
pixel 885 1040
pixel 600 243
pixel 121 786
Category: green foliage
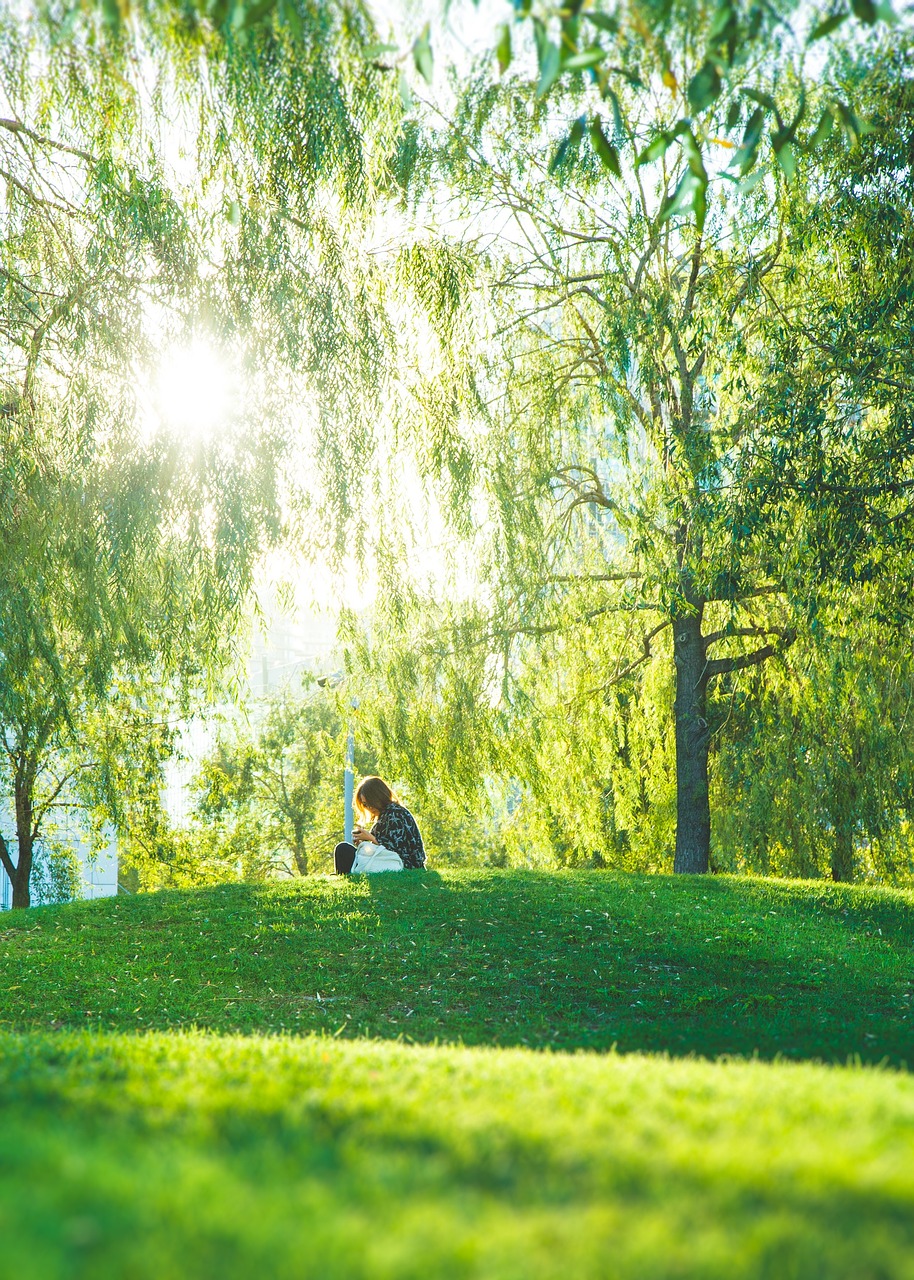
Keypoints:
pixel 664 426
pixel 127 561
pixel 56 872
pixel 820 755
pixel 271 797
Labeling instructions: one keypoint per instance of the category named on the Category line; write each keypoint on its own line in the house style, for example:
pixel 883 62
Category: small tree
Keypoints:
pixel 276 791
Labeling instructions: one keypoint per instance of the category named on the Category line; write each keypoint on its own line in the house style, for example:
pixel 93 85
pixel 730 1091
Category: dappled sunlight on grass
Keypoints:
pixel 569 960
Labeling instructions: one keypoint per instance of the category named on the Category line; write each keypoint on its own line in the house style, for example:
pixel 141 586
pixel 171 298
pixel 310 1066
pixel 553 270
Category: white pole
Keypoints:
pixel 350 782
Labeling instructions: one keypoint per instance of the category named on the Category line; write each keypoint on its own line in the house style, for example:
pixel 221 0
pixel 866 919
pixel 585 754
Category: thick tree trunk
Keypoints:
pixel 842 858
pixel 300 853
pixel 22 895
pixel 693 807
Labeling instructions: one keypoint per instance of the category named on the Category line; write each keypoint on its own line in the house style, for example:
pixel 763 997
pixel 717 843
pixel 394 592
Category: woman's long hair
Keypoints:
pixel 373 797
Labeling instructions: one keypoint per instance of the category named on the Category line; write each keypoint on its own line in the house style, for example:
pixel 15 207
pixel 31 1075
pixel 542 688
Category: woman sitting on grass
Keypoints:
pixel 394 828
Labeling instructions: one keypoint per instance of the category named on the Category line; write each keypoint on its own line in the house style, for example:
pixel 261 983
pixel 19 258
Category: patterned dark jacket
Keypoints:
pixel 396 829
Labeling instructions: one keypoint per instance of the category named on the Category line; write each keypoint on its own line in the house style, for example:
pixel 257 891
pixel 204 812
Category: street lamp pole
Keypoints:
pixel 349 784
pixel 333 682
pixel 349 778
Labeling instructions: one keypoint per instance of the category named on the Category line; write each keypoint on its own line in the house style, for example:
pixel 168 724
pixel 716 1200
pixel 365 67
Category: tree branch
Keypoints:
pixel 726 632
pixel 622 672
pixel 6 860
pixel 17 127
pixel 723 666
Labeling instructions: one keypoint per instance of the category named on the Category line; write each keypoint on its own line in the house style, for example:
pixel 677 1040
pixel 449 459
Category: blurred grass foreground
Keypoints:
pixel 221 1084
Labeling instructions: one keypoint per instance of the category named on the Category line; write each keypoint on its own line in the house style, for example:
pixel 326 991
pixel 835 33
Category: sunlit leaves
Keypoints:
pixel 731 37
pixel 422 55
pixel 607 153
pixel 503 48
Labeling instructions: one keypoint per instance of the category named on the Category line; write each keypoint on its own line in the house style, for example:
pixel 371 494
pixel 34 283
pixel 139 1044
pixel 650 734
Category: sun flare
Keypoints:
pixel 195 390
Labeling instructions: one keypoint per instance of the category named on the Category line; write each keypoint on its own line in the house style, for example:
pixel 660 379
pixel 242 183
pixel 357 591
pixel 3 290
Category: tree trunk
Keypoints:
pixel 693 807
pixel 22 896
pixel 300 853
pixel 842 858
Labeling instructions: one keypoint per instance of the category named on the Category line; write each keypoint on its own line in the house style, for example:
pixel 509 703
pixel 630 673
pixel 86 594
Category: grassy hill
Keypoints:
pixel 568 960
pixel 143 1136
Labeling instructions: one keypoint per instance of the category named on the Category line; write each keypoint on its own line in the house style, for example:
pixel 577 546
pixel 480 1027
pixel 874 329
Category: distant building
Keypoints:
pixel 288 650
pixel 97 869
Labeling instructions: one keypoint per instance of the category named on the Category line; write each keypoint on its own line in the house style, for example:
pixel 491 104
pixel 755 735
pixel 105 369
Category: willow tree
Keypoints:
pixel 637 268
pixel 212 201
pixel 821 753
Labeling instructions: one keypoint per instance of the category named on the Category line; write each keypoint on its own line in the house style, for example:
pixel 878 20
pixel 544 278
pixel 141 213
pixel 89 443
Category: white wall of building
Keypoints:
pixel 280 655
pixel 98 869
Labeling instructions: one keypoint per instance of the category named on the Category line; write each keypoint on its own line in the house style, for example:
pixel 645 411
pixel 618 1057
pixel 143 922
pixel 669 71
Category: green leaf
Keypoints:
pixel 824 129
pixel 745 156
pixel 550 66
pixel 618 122
pixel 683 197
pixel 733 115
pixel 591 57
pixel 406 93
pixel 608 154
pixel 422 55
pixel 853 126
pixel 373 51
pixel 726 23
pixel 764 100
pixel 865 10
pixel 704 87
pixel 694 157
pixel 111 15
pixel 828 25
pixel 787 159
pixel 291 18
pixel 253 14
pixel 568 147
pixel 750 183
pixel 503 48
pixel 657 148
pixel 605 21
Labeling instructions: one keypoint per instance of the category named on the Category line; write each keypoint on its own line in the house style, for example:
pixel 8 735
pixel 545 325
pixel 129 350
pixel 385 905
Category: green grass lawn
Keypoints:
pixel 133 1146
pixel 568 960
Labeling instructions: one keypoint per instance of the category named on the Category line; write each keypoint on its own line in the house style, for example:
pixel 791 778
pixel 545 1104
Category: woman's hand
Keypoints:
pixel 359 834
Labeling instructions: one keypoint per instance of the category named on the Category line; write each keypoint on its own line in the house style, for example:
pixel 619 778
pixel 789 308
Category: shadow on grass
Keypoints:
pixel 585 1174
pixel 685 966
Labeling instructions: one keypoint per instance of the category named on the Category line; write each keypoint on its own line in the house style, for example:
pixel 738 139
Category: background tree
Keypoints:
pixel 631 443
pixel 275 791
pixel 128 555
pixel 820 759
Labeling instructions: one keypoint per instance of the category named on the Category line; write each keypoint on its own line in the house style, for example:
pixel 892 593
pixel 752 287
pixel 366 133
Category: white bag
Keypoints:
pixel 370 857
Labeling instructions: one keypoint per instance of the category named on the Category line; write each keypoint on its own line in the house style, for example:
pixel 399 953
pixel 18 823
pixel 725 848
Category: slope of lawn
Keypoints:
pixel 568 960
pixel 186 1155
pixel 143 1137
